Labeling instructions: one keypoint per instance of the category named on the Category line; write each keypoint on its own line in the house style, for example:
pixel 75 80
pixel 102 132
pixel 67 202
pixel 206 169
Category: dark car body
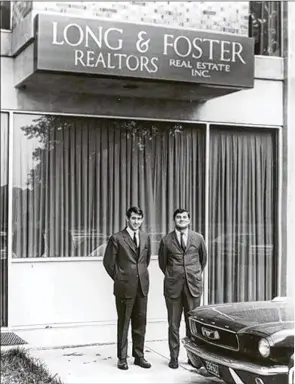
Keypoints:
pixel 243 343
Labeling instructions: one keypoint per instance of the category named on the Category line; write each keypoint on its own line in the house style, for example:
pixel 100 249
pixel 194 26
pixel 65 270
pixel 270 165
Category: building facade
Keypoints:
pixel 156 104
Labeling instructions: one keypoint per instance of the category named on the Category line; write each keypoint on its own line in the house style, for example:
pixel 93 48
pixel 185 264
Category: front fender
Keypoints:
pixel 283 338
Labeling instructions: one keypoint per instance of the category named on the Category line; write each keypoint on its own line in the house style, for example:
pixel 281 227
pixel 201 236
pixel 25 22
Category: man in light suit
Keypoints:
pixel 126 260
pixel 182 259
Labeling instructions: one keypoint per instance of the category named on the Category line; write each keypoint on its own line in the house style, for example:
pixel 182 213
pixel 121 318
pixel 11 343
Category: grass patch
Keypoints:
pixel 18 367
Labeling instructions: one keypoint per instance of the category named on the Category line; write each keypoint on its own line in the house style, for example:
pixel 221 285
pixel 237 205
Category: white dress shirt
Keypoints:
pixel 185 236
pixel 131 233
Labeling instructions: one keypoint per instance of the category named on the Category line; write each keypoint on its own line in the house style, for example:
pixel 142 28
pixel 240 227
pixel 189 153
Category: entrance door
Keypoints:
pixel 3 218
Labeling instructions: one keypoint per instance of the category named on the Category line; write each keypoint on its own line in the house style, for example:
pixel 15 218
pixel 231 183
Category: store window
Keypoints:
pixel 74 179
pixel 265 26
pixel 5 15
pixel 3 217
pixel 242 215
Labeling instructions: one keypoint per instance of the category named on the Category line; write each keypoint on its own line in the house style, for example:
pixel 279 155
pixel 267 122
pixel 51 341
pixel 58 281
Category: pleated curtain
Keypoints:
pixel 75 178
pixel 242 215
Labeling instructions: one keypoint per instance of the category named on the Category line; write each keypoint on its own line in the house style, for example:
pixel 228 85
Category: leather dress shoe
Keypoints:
pixel 122 364
pixel 173 363
pixel 142 362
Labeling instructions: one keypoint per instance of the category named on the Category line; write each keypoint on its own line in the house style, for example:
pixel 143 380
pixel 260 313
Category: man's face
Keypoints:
pixel 182 221
pixel 134 221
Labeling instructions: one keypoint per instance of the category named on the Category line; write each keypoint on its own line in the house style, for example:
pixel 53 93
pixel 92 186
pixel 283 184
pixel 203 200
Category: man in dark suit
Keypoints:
pixel 182 259
pixel 126 260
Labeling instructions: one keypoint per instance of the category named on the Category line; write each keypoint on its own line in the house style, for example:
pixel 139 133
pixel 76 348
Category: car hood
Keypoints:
pixel 264 318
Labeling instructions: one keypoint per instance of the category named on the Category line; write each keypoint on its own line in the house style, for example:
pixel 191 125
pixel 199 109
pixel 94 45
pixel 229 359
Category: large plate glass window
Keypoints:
pixel 75 177
pixel 242 215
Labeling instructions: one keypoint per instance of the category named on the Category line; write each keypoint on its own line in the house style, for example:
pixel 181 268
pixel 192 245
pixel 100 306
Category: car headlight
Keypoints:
pixel 264 348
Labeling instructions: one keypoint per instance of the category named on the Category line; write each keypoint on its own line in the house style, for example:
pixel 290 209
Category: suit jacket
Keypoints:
pixel 126 266
pixel 179 266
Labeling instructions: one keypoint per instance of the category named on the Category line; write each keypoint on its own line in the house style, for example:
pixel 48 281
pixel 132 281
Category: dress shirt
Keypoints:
pixel 131 233
pixel 185 236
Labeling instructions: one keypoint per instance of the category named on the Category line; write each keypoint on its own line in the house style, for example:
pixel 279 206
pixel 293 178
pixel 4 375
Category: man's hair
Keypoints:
pixel 136 210
pixel 181 210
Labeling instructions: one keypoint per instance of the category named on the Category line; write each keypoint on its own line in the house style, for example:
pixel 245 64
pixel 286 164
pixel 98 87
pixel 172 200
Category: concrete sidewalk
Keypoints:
pixel 87 355
pixel 86 335
pixel 97 364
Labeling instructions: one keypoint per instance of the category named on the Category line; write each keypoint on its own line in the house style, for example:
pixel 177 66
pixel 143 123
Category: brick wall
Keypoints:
pixel 225 16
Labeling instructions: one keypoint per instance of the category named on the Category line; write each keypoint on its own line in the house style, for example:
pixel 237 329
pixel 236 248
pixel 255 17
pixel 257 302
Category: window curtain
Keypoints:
pixel 74 179
pixel 3 216
pixel 243 213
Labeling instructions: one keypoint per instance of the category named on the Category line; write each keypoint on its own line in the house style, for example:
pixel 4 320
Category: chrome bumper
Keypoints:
pixel 234 363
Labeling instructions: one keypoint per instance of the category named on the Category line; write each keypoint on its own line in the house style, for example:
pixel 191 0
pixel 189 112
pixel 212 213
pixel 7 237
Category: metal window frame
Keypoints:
pixel 9 213
pixel 207 125
pixel 126 117
pixel 279 212
pixel 205 295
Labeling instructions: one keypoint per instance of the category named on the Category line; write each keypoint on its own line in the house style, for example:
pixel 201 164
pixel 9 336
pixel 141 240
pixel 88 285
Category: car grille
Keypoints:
pixel 214 335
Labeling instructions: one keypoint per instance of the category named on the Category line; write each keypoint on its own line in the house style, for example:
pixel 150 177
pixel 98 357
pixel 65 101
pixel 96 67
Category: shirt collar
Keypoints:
pixel 131 233
pixel 184 231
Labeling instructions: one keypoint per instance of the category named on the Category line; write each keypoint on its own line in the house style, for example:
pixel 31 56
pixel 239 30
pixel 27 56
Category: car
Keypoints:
pixel 244 343
pixel 232 243
pixel 99 251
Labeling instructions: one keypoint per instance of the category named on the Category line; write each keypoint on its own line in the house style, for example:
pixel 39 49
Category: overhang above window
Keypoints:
pixel 136 60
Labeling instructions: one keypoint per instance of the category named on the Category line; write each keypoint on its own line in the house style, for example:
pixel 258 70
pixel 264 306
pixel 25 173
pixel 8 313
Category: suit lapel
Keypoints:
pixel 129 241
pixel 189 240
pixel 141 242
pixel 175 241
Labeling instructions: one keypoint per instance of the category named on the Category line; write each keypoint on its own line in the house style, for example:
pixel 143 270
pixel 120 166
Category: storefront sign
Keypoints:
pixel 111 48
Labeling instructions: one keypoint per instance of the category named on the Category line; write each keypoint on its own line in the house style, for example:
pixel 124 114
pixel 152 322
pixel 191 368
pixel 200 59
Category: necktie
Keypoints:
pixel 182 243
pixel 135 240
